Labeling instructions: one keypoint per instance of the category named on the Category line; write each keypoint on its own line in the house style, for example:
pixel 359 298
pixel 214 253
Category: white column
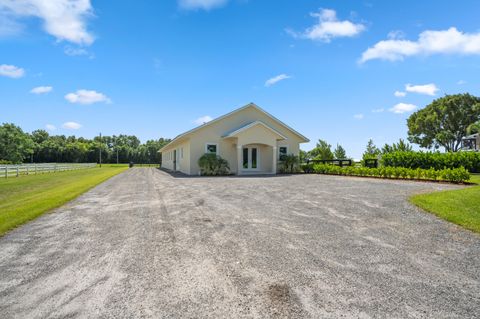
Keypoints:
pixel 274 164
pixel 239 159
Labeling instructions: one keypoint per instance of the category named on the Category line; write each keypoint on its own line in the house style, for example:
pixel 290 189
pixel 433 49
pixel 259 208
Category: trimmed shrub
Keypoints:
pixel 289 163
pixel 454 175
pixel 435 160
pixel 307 168
pixel 212 164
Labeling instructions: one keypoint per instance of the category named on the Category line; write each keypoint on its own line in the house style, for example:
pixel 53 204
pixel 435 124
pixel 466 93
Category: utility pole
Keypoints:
pixel 100 150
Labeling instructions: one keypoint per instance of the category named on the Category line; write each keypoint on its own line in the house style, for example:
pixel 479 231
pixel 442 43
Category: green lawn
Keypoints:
pixel 461 207
pixel 126 165
pixel 27 197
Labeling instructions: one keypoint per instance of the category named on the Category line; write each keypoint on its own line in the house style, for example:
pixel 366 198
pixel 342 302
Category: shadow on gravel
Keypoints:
pixel 284 302
pixel 182 175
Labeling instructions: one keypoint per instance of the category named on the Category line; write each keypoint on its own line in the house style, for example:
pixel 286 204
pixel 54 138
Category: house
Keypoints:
pixel 249 138
pixel 471 142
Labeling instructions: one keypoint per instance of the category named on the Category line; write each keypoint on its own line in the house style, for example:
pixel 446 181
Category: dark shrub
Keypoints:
pixel 455 175
pixel 435 160
pixel 289 163
pixel 212 164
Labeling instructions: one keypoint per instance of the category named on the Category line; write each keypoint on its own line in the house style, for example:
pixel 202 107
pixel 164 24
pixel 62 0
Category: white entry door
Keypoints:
pixel 250 159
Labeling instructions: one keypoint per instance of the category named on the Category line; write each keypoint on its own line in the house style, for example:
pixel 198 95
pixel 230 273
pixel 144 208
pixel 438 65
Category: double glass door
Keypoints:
pixel 250 158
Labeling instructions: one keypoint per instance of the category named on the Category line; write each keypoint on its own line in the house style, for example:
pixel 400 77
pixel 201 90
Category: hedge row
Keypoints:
pixel 435 160
pixel 455 175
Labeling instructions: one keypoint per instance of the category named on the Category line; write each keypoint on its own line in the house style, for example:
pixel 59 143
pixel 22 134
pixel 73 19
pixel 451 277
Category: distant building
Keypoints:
pixel 471 142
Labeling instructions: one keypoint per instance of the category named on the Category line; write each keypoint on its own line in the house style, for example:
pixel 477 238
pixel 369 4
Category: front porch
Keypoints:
pixel 255 159
pixel 256 148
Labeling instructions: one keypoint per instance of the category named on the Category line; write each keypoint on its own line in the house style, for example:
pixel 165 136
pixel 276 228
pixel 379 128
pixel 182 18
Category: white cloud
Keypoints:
pixel 403 108
pixel 11 71
pixel 396 34
pixel 87 97
pixel 399 94
pixel 201 4
pixel 72 51
pixel 378 110
pixel 329 27
pixel 41 89
pixel 71 125
pixel 359 116
pixel 276 79
pixel 427 89
pixel 203 119
pixel 50 127
pixel 429 42
pixel 64 19
pixel 8 26
pixel 462 82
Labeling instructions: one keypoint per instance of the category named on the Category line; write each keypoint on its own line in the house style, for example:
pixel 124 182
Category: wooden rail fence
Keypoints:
pixel 41 168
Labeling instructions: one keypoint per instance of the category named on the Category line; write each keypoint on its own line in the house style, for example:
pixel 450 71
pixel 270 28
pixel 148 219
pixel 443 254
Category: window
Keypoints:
pixel 181 153
pixel 245 158
pixel 254 158
pixel 282 152
pixel 211 148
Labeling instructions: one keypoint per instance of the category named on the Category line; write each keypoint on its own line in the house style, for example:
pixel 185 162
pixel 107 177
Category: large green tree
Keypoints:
pixel 339 152
pixel 474 128
pixel 15 145
pixel 322 151
pixel 371 151
pixel 401 146
pixel 444 122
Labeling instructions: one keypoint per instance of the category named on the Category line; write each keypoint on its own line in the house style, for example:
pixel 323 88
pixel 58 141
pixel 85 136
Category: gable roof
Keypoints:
pixel 180 136
pixel 250 125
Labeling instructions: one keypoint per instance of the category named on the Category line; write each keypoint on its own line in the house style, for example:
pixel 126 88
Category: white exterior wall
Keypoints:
pixel 195 142
pixel 183 162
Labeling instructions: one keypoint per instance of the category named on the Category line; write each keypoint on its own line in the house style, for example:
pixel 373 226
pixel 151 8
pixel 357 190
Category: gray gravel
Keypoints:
pixel 148 245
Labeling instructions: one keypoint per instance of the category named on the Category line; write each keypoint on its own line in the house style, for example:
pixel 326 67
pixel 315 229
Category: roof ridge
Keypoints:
pixel 251 104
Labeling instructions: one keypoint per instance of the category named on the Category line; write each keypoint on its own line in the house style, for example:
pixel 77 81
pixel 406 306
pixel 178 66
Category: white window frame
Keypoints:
pixel 280 146
pixel 249 165
pixel 216 145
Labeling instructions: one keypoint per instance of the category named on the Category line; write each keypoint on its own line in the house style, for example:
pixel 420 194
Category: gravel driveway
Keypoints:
pixel 146 244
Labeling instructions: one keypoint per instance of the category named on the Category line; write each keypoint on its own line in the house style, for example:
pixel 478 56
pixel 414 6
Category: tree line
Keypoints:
pixel 442 123
pixel 17 146
pixel 323 150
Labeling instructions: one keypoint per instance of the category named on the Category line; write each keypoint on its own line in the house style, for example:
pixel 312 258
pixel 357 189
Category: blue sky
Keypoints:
pixel 330 69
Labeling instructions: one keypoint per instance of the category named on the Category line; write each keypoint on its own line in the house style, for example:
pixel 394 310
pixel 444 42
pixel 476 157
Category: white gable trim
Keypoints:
pixel 305 140
pixel 246 127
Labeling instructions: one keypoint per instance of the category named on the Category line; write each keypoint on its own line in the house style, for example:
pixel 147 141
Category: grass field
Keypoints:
pixel 25 198
pixel 461 207
pixel 126 165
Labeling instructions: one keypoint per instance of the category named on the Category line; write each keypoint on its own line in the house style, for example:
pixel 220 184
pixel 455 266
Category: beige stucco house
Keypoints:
pixel 250 139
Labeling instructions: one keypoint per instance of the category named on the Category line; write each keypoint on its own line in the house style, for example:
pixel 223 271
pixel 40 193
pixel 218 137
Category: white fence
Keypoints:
pixel 32 169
